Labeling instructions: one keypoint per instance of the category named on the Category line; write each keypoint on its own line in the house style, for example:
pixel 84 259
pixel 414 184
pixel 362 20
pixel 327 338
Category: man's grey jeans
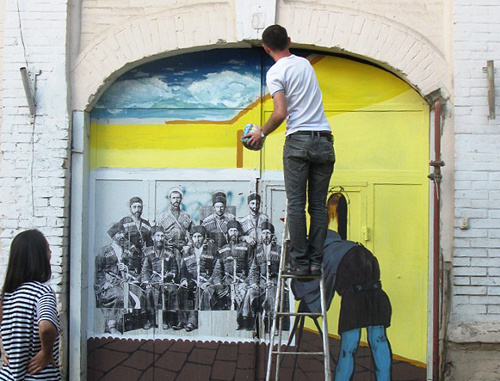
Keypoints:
pixel 307 167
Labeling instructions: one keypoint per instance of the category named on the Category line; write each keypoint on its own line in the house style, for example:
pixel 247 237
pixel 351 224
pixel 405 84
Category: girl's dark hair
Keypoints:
pixel 28 260
pixel 275 37
pixel 337 208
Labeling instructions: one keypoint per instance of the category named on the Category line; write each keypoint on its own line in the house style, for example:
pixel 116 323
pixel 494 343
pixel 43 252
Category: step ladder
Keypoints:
pixel 275 348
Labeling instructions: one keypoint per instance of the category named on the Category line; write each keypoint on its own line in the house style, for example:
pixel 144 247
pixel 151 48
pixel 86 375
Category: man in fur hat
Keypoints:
pixel 216 223
pixel 111 272
pixel 137 230
pixel 251 224
pixel 175 222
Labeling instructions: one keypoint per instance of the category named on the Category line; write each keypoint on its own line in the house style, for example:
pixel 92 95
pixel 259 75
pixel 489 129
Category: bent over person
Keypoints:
pixel 308 155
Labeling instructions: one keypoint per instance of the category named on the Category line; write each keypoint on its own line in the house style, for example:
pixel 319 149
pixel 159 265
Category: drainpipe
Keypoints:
pixel 436 177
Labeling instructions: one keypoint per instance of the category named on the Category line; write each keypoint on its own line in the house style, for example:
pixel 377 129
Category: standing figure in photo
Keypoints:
pixel 175 222
pixel 196 272
pixel 137 230
pixel 110 278
pixel 237 256
pixel 159 277
pixel 308 155
pixel 204 251
pixel 267 259
pixel 216 223
pixel 251 224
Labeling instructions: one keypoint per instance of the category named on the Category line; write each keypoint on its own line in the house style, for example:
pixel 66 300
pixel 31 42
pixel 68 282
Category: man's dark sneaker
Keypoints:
pixel 298 271
pixel 315 270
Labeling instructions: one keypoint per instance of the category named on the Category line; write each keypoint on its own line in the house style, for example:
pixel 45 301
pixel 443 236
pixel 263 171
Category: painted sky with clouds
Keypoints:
pixel 213 85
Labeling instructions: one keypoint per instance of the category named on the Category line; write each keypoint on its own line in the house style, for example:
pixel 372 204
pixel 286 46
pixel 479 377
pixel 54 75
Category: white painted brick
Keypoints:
pixel 461 261
pixel 494 271
pixel 469 290
pixel 485 299
pixel 494 291
pixel 494 252
pixel 470 271
pixel 485 281
pixel 473 233
pixel 462 310
pixel 487 243
pixel 493 310
pixel 471 252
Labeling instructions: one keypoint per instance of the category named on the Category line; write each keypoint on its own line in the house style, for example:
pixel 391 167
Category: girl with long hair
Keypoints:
pixel 28 312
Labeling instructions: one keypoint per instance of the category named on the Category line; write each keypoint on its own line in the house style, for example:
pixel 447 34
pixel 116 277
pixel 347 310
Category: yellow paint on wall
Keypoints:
pixel 180 144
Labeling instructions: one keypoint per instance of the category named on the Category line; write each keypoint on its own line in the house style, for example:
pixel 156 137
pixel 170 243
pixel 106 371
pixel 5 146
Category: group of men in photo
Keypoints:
pixel 179 268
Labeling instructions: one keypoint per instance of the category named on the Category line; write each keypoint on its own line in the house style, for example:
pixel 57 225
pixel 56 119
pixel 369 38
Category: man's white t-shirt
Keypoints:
pixel 296 78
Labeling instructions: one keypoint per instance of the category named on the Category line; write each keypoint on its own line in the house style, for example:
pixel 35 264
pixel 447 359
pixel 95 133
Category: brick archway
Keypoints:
pixel 396 47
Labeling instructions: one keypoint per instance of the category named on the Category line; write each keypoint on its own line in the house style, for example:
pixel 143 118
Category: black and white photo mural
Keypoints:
pixel 195 259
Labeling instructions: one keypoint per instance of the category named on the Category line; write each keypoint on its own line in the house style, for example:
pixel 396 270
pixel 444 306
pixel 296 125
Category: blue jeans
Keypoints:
pixel 307 167
pixel 379 346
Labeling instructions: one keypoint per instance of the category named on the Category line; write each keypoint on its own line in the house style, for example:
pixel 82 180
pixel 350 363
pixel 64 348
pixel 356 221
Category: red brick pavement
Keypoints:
pixel 114 359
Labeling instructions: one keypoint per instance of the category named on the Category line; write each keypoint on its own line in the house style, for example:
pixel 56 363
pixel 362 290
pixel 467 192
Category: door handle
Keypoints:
pixel 365 231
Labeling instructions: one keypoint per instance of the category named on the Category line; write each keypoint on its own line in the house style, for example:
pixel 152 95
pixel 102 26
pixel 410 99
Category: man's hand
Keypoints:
pixel 41 360
pixel 254 138
pixel 250 240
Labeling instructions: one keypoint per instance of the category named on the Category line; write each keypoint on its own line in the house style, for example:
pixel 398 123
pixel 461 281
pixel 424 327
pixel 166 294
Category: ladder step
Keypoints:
pixel 310 314
pixel 290 276
pixel 298 353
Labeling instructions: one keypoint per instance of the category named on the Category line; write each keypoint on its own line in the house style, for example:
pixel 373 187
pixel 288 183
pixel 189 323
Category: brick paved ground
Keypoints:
pixel 112 359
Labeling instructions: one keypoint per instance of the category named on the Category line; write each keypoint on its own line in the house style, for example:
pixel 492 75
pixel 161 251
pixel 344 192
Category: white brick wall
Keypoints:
pixel 34 175
pixel 476 261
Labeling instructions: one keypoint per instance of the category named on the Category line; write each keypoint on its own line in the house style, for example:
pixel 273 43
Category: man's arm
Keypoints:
pixel 277 117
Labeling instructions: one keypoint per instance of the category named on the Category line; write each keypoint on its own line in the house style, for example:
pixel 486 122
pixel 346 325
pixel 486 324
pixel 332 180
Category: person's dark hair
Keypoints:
pixel 337 208
pixel 28 260
pixel 275 37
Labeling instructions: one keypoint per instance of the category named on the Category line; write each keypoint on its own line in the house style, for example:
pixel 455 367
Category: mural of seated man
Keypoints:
pixel 354 273
pixel 267 260
pixel 113 285
pixel 237 257
pixel 203 252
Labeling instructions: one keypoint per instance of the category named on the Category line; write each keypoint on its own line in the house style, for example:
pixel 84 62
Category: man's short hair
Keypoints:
pixel 253 196
pixel 134 200
pixel 275 37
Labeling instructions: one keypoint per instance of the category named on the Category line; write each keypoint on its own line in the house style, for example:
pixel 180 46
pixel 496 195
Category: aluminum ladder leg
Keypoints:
pixel 279 314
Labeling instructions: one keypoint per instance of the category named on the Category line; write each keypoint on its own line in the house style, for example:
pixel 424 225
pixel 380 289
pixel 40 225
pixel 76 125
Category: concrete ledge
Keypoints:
pixel 468 333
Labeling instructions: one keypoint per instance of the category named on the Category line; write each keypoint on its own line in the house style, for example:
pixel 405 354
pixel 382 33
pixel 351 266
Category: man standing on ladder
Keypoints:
pixel 308 154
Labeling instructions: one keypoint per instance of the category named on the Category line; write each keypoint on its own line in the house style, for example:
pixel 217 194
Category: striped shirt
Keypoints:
pixel 23 310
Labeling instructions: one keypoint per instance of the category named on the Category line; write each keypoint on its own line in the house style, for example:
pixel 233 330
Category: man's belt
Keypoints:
pixel 313 133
